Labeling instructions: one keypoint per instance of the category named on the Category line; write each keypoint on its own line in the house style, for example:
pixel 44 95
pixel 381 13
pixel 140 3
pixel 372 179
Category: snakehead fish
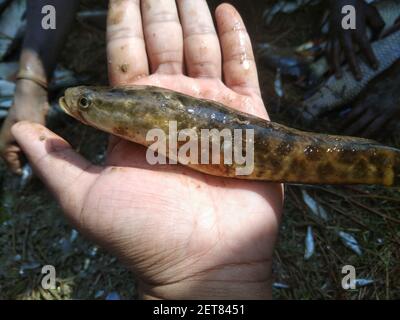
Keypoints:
pixel 337 92
pixel 281 154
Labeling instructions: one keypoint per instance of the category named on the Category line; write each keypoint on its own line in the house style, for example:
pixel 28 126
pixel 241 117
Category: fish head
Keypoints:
pixel 93 106
pixel 76 101
pixel 114 110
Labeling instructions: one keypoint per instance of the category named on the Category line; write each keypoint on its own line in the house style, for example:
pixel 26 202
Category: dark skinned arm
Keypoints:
pixel 37 62
pixel 345 41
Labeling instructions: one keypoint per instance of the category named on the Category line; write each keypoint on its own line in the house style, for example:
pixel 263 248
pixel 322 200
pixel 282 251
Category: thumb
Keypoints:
pixel 9 150
pixel 67 174
pixel 11 154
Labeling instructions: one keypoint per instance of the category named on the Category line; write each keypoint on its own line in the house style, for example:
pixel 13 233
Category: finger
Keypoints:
pixel 239 68
pixel 374 127
pixel 10 152
pixel 126 51
pixel 351 56
pixel 366 49
pixel 375 21
pixel 67 174
pixel 201 44
pixel 163 33
pixel 12 156
pixel 360 124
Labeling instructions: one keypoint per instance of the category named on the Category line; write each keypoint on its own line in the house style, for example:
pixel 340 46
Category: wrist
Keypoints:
pixel 210 291
pixel 31 68
pixel 237 283
pixel 31 88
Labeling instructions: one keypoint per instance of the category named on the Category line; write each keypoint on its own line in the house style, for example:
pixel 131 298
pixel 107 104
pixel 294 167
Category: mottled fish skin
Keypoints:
pixel 281 154
pixel 336 92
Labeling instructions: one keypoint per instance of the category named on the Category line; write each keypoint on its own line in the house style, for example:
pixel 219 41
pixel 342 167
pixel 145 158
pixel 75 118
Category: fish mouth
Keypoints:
pixel 64 106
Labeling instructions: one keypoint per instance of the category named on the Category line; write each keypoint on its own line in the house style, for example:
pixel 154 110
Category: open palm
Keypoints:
pixel 183 233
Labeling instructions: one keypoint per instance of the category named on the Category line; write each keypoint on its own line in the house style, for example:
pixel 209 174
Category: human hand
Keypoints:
pixel 30 103
pixel 183 233
pixel 341 39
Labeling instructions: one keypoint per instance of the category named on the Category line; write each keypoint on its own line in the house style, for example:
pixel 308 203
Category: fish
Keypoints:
pixel 315 208
pixel 26 176
pixel 12 24
pixel 350 242
pixel 280 285
pixel 281 154
pixel 278 86
pixel 283 59
pixel 309 244
pixel 363 282
pixel 334 92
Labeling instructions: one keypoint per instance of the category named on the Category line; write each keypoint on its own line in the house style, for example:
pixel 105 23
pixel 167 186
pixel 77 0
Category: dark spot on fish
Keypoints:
pixel 313 152
pixel 120 131
pixel 284 148
pixel 299 168
pixel 259 173
pixel 274 163
pixel 264 145
pixel 360 169
pixel 379 173
pixel 378 159
pixel 324 170
pixel 347 156
pixel 42 138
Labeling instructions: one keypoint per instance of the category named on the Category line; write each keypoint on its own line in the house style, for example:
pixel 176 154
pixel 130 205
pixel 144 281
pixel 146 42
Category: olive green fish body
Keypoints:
pixel 281 154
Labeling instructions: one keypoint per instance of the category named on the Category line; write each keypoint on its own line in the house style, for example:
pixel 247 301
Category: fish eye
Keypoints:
pixel 84 102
